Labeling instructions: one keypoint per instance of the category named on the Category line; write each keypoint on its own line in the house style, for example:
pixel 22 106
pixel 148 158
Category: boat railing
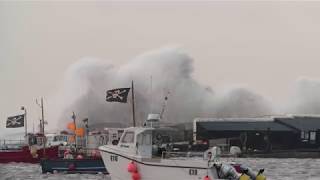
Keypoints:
pixel 79 150
pixel 180 155
pixel 11 144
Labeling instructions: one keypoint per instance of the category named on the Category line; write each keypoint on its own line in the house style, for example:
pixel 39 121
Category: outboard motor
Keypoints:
pixel 250 172
pixel 212 153
pixel 226 171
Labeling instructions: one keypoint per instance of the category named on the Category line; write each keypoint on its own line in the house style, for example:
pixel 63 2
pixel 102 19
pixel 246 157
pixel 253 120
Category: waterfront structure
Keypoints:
pixel 261 134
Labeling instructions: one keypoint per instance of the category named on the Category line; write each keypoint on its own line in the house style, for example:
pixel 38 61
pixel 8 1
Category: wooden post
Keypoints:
pixel 25 123
pixel 86 124
pixel 133 110
pixel 42 129
pixel 75 125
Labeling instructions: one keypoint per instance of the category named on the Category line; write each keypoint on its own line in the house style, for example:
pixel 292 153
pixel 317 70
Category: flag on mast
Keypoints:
pixel 15 121
pixel 118 95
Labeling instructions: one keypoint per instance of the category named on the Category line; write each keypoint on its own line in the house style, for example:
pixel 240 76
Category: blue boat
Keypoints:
pixel 85 166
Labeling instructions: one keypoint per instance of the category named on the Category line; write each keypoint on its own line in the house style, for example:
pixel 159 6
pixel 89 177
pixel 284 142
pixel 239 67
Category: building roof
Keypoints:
pixel 257 119
pixel 303 123
pixel 242 126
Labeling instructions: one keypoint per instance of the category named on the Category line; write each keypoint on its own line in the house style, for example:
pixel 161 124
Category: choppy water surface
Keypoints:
pixel 285 169
pixel 22 171
pixel 275 169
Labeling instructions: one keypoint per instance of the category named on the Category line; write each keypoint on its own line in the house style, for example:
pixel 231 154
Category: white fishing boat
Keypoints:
pixel 137 157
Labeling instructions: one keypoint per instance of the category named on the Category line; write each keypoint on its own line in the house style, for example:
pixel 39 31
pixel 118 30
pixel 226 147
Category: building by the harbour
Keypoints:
pixel 260 134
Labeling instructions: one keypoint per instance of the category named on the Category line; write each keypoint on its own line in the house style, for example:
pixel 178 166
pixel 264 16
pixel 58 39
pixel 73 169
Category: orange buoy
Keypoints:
pixel 135 175
pixel 132 167
pixel 71 126
pixel 206 178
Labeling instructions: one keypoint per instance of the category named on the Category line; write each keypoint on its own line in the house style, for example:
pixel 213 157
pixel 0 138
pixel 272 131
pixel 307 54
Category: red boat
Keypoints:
pixel 31 153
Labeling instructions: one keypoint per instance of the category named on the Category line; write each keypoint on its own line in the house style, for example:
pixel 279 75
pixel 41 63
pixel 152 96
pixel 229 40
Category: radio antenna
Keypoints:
pixel 164 104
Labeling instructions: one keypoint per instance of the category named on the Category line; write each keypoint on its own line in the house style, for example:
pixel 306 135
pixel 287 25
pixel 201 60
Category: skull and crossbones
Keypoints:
pixel 116 94
pixel 14 121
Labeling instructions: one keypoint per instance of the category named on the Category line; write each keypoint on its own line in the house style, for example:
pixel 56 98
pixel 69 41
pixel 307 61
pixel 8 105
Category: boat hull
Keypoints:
pixel 24 155
pixel 86 166
pixel 154 169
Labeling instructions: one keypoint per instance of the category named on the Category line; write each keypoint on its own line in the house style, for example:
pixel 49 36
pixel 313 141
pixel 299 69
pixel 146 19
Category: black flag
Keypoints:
pixel 118 95
pixel 15 121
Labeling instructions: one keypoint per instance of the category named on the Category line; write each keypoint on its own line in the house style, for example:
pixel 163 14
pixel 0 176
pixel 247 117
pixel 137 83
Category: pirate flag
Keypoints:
pixel 15 121
pixel 118 95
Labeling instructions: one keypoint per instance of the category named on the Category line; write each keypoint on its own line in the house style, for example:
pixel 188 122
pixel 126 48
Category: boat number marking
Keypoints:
pixel 114 158
pixel 193 172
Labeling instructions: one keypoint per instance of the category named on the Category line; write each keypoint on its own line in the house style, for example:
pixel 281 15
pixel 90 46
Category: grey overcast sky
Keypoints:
pixel 265 46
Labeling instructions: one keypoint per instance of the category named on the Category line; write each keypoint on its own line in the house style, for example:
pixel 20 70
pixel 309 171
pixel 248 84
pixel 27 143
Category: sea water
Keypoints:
pixel 23 171
pixel 275 169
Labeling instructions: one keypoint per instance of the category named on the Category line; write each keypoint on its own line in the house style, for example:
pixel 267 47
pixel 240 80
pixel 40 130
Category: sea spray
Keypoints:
pixel 305 98
pixel 171 69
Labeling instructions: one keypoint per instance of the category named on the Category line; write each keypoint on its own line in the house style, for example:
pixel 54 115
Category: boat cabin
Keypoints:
pixel 35 139
pixel 56 139
pixel 151 140
pixel 137 141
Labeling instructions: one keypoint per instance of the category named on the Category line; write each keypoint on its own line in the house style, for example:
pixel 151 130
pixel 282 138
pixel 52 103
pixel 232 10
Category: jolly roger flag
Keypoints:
pixel 118 95
pixel 15 121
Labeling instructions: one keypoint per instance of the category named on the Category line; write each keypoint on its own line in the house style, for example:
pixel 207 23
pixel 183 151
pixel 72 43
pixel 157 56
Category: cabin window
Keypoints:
pixel 128 137
pixel 66 138
pixel 39 140
pixel 60 138
pixel 50 138
pixel 147 139
pixel 304 135
pixel 312 135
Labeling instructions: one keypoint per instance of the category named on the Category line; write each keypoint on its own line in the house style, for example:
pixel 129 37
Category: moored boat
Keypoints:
pixel 83 157
pixel 137 157
pixel 27 153
pixel 32 149
pixel 86 165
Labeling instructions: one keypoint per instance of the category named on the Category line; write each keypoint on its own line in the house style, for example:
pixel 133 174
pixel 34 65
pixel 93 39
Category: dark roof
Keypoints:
pixel 242 126
pixel 303 123
pixel 100 126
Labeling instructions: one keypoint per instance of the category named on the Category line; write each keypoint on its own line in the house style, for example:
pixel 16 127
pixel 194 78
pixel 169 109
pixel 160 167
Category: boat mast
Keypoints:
pixel 75 128
pixel 44 137
pixel 133 110
pixel 25 122
pixel 86 124
pixel 151 104
pixel 164 104
pixel 32 127
pixel 42 125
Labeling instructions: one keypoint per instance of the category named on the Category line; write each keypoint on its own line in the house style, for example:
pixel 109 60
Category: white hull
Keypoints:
pixel 155 169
